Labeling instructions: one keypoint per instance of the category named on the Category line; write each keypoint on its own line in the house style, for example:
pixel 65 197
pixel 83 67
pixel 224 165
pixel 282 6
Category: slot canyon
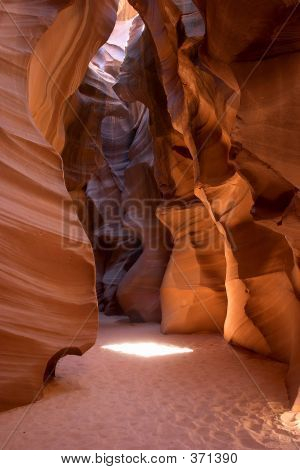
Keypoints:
pixel 149 217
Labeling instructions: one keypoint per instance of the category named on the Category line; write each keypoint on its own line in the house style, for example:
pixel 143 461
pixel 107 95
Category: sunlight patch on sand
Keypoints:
pixel 147 349
pixel 291 420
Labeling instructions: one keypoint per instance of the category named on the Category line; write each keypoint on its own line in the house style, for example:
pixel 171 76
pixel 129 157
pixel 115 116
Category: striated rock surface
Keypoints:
pixel 95 156
pixel 193 292
pixel 116 247
pixel 123 190
pixel 139 291
pixel 48 303
pixel 217 84
pixel 209 85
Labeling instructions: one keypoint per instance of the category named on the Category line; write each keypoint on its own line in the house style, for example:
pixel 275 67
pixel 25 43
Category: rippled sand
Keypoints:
pixel 215 397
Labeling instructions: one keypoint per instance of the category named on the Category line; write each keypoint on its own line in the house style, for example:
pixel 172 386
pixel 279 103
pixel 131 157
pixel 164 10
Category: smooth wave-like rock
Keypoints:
pixel 125 194
pixel 218 176
pixel 139 292
pixel 48 302
pixel 116 246
pixel 203 81
pixel 193 294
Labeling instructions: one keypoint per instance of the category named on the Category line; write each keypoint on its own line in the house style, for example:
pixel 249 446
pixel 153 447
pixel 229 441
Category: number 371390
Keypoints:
pixel 217 457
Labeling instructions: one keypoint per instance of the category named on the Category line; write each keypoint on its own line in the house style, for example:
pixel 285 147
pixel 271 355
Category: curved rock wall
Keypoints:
pixel 116 246
pixel 223 104
pixel 209 85
pixel 109 153
pixel 48 303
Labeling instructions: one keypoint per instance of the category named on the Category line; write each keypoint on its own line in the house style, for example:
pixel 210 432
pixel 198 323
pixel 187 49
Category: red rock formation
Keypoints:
pixel 120 186
pixel 202 88
pixel 48 304
pixel 116 246
pixel 125 11
pixel 139 291
pixel 223 100
pixel 194 235
pixel 193 292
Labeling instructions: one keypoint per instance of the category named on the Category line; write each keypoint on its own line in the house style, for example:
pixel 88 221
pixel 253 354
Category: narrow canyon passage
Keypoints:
pixel 150 179
pixel 201 399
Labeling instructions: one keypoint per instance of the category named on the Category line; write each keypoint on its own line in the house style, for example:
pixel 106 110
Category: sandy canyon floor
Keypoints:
pixel 210 397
